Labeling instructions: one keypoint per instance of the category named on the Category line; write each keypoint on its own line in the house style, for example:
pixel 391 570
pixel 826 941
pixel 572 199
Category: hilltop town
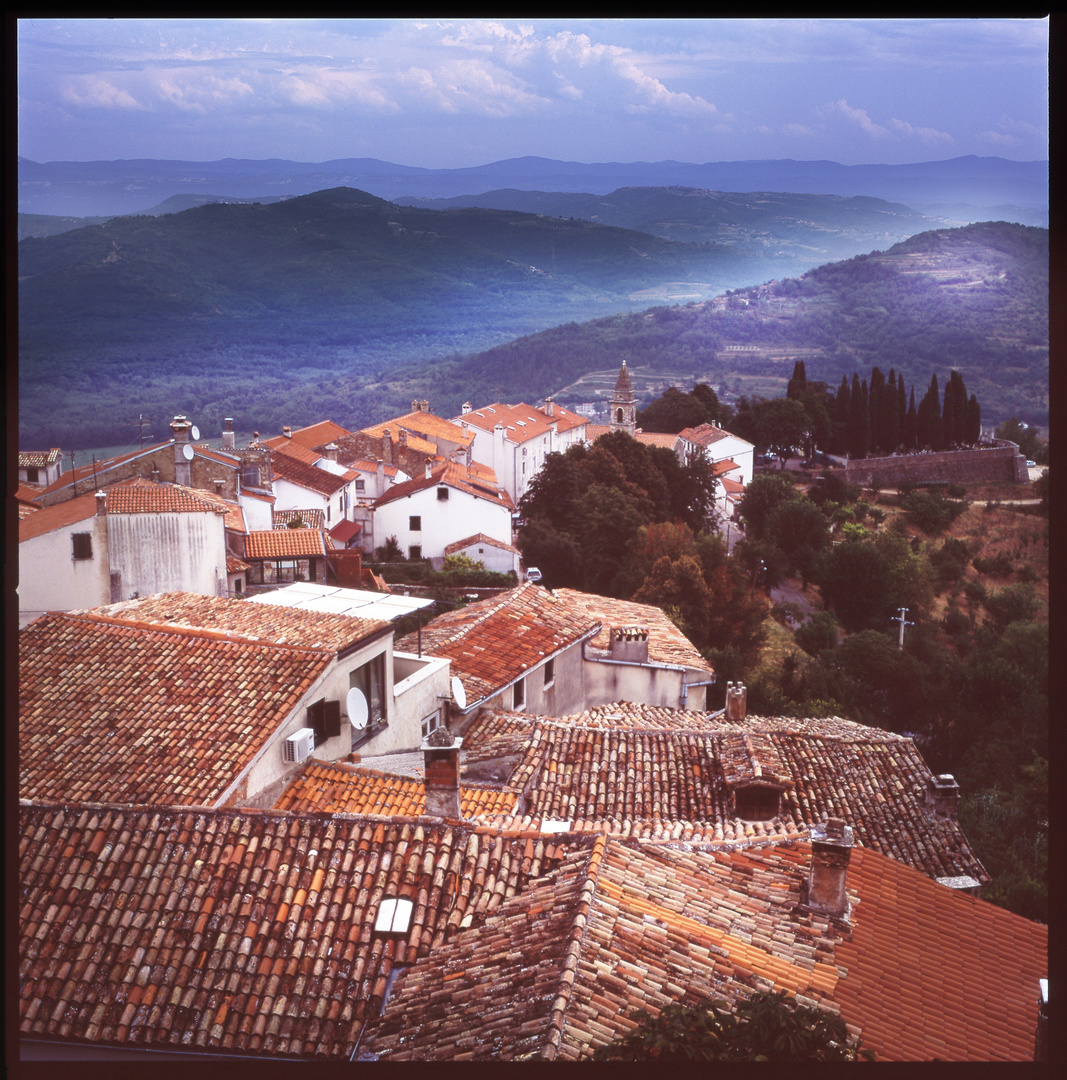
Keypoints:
pixel 275 803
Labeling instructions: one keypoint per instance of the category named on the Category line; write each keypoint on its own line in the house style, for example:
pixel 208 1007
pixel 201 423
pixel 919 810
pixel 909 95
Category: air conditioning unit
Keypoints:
pixel 299 745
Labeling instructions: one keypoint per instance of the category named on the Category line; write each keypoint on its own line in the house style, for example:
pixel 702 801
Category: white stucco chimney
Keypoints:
pixel 943 796
pixel 466 409
pixel 287 431
pixel 183 472
pixel 229 439
pixel 101 502
pixel 429 468
pixel 550 407
pixel 380 490
pixel 330 451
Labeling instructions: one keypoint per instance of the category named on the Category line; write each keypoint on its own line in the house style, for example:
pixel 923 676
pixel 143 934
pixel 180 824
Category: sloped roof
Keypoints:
pixel 147 497
pixel 273 623
pixel 239 932
pixel 94 470
pixel 649 438
pixel 480 539
pixel 285 544
pixel 313 519
pixel 320 434
pixel 707 435
pixel 335 787
pixel 39 459
pixel 492 642
pixel 343 531
pixel 307 475
pixel 115 710
pixel 421 423
pixel 666 643
pixel 453 475
pixel 49 518
pixel 642 771
pixel 555 972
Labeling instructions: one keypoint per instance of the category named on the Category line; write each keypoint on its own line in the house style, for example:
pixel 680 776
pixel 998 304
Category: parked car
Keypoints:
pixel 1031 464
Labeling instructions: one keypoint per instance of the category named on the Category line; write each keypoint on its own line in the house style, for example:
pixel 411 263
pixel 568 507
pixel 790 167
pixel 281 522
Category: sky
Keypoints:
pixel 451 93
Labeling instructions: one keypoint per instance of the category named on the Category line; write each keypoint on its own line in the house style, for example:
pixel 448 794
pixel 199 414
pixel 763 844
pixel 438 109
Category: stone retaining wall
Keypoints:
pixel 1000 462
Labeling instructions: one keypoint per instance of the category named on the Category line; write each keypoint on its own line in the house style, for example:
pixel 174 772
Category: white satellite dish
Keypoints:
pixel 358 712
pixel 459 695
pixel 195 433
pixel 187 452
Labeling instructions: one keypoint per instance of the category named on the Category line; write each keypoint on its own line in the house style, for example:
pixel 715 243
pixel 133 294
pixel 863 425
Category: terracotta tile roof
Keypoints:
pixel 425 424
pixel 522 422
pixel 286 544
pixel 343 531
pixel 492 642
pixel 320 434
pixel 649 438
pixel 364 466
pixel 293 450
pixel 658 773
pixel 339 788
pixel 254 622
pixel 724 466
pixel 59 516
pixel 148 497
pixel 39 459
pixel 450 474
pixel 239 932
pixel 313 519
pixel 478 538
pixel 235 515
pixel 666 643
pixel 703 434
pixel 123 712
pixel 933 973
pixel 555 972
pixel 235 565
pixel 307 475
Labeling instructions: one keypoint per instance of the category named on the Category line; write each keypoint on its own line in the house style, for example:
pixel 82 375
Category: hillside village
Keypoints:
pixel 270 807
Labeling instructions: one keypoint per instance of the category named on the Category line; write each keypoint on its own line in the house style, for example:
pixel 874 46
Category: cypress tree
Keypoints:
pixel 797 381
pixel 875 404
pixel 891 415
pixel 973 423
pixel 859 419
pixel 948 413
pixel 911 424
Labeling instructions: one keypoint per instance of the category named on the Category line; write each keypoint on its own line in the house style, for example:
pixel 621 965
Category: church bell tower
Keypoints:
pixel 624 404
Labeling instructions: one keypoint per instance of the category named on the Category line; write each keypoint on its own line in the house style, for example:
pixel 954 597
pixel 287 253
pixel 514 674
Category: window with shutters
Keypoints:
pixel 83 545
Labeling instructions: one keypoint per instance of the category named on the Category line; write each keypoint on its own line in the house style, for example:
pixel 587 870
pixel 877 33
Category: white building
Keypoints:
pixel 448 503
pixel 514 440
pixel 130 540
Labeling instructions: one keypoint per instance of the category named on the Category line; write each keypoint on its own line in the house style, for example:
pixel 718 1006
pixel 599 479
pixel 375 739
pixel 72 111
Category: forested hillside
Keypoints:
pixel 975 298
pixel 223 305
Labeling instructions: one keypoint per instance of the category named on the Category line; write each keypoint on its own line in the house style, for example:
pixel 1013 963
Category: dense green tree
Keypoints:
pixel 768 1026
pixel 764 494
pixel 1027 438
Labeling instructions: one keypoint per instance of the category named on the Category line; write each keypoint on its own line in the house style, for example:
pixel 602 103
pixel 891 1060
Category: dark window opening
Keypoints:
pixel 415 552
pixel 83 545
pixel 757 803
pixel 415 523
pixel 31 474
pixel 550 672
pixel 324 717
pixel 442 494
pixel 518 696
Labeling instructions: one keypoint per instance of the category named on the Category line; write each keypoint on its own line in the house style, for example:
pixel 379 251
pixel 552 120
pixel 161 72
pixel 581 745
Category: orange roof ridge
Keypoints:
pixel 558 1018
pixel 202 632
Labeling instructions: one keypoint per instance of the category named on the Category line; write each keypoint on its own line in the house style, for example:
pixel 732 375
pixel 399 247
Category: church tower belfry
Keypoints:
pixel 624 404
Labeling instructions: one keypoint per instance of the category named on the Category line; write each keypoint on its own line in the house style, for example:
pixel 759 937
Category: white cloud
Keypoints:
pixel 923 134
pixel 93 92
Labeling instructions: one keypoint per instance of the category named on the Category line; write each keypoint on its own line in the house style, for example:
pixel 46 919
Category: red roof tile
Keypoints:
pixel 133 713
pixel 224 932
pixel 59 516
pixel 492 642
pixel 285 544
pixel 338 788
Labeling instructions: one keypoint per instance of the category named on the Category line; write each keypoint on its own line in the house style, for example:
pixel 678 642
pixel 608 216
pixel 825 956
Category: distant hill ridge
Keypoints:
pixel 83 188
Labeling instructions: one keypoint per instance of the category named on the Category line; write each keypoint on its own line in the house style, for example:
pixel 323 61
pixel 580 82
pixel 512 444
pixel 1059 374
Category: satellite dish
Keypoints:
pixel 187 452
pixel 459 695
pixel 358 712
pixel 195 433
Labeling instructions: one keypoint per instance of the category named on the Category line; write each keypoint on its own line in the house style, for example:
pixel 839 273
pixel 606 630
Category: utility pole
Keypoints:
pixel 141 421
pixel 73 475
pixel 903 622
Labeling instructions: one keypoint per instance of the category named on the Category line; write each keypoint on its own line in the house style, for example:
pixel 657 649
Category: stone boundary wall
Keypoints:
pixel 1000 462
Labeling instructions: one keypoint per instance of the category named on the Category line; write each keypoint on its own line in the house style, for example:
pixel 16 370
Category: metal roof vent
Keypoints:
pixel 394 916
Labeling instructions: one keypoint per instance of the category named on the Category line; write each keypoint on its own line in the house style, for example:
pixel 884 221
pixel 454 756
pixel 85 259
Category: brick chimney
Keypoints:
pixel 101 502
pixel 831 849
pixel 943 796
pixel 441 751
pixel 736 701
pixel 183 473
pixel 229 439
pixel 387 446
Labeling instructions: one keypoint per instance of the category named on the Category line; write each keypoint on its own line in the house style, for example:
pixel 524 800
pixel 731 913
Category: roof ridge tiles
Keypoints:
pixel 558 1017
pixel 234 637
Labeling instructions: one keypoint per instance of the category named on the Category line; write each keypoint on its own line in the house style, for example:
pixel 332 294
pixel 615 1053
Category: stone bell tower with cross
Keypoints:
pixel 624 404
